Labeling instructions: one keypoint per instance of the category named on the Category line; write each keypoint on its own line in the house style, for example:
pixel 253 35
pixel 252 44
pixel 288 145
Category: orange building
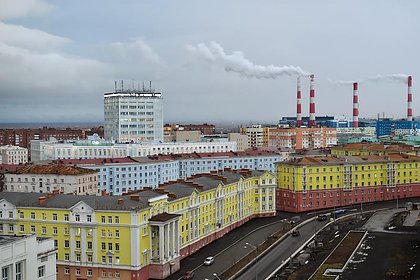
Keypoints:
pixel 302 137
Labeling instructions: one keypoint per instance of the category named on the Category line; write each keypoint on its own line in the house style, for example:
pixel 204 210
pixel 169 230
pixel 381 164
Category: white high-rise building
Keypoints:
pixel 133 115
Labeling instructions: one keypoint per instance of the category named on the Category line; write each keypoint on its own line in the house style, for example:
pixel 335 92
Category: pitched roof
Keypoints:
pixel 57 169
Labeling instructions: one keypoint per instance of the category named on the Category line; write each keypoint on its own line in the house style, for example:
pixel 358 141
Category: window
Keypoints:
pixel 89 258
pixel 44 216
pixel 66 231
pixel 66 217
pixel 5 273
pixel 109 219
pixel 44 230
pixel 66 270
pixel 77 218
pixel 89 272
pixel 117 246
pixel 110 246
pixel 11 228
pixel 77 244
pixel 103 219
pixel 54 217
pixel 117 233
pixel 19 271
pixel 33 215
pixel 110 259
pixel 89 245
pixel 117 219
pixel 77 271
pixel 55 230
pixel 103 233
pixel 32 229
pixel 103 273
pixel 103 260
pixel 66 257
pixel 89 218
pixel 22 215
pixel 55 243
pixel 77 257
pixel 117 274
pixel 103 246
pixel 22 228
pixel 66 243
pixel 41 271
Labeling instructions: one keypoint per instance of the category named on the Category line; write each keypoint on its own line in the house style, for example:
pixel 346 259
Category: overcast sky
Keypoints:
pixel 212 60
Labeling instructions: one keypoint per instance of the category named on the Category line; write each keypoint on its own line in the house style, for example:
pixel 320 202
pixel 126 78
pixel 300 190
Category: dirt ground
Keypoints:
pixel 388 256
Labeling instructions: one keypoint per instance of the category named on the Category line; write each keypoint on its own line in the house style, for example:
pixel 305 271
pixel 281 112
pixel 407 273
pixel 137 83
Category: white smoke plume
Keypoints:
pixel 341 82
pixel 236 62
pixel 399 78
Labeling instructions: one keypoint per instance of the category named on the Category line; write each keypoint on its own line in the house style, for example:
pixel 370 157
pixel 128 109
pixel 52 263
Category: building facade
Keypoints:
pixel 25 257
pixel 142 235
pixel 257 135
pixel 49 178
pixel 22 137
pixel 302 137
pixel 133 116
pixel 13 155
pixel 42 150
pixel 313 183
pixel 241 141
pixel 121 175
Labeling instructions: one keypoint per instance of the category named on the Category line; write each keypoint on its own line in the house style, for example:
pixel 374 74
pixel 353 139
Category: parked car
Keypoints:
pixel 295 233
pixel 188 275
pixel 209 261
pixel 295 220
pixel 322 217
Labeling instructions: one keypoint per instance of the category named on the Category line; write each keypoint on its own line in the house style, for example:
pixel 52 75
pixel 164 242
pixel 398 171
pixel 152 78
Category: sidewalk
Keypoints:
pixel 412 218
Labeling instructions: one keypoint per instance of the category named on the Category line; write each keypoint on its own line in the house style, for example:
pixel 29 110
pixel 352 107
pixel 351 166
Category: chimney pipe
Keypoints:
pixel 312 102
pixel 355 106
pixel 410 100
pixel 299 104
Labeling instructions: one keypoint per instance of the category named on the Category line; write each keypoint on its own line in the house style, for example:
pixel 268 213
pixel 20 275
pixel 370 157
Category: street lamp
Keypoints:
pixel 214 274
pixel 256 258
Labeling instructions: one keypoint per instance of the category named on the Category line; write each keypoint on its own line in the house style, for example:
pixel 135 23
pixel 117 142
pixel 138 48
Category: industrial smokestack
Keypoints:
pixel 355 106
pixel 312 102
pixel 299 104
pixel 410 100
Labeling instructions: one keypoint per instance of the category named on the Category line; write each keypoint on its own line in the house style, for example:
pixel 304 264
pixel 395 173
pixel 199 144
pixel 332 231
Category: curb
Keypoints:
pixel 313 236
pixel 269 248
pixel 237 241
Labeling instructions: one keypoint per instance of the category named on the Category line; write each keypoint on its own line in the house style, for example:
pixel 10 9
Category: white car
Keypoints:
pixel 209 261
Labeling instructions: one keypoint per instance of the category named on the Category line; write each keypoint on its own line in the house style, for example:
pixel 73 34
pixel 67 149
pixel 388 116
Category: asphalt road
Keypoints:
pixel 273 259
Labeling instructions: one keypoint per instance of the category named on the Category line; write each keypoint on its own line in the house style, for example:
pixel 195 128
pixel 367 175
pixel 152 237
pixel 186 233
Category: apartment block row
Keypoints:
pixel 290 137
pixel 95 148
pixel 312 183
pixel 120 175
pixel 142 235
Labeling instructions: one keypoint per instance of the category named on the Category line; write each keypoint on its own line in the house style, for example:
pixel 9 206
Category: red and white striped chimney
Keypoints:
pixel 355 106
pixel 312 102
pixel 299 104
pixel 410 100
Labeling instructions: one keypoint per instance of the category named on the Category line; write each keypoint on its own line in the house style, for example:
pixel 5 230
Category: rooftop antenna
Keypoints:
pixel 150 85
pixel 143 86
pixel 115 86
pixel 122 85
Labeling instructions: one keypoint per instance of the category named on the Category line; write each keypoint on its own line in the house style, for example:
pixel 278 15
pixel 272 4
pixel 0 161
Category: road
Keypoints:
pixel 273 259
